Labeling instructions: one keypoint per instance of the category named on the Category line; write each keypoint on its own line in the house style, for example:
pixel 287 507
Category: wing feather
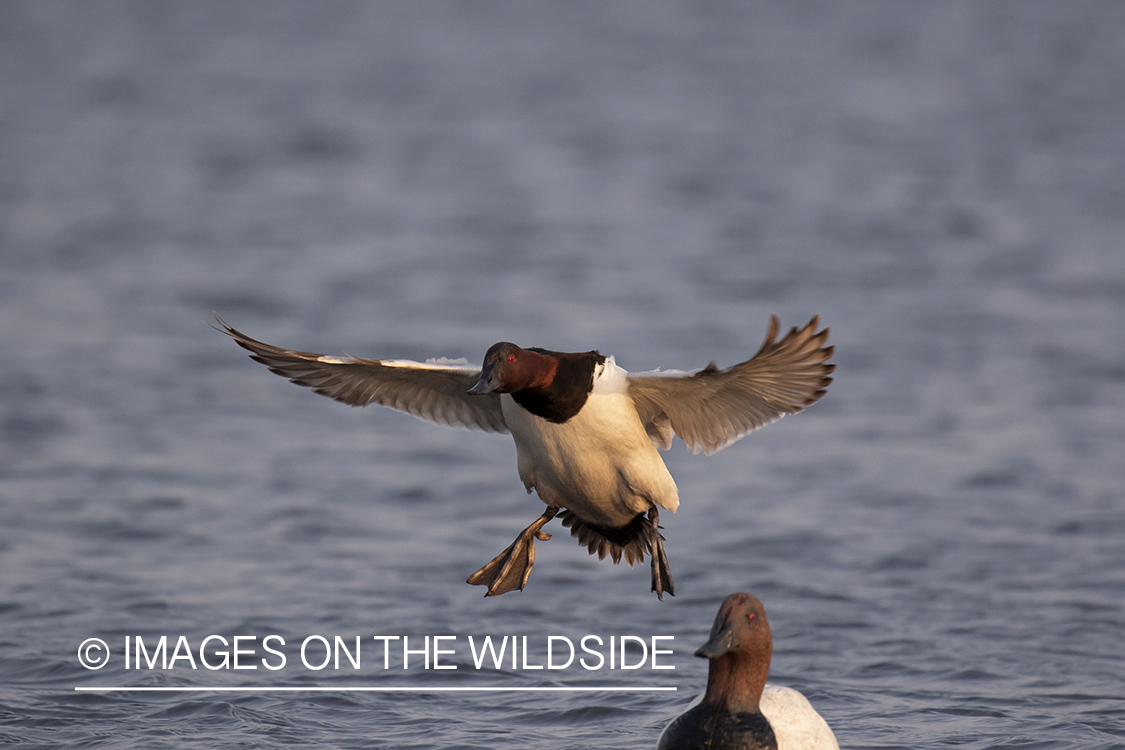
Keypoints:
pixel 712 408
pixel 433 392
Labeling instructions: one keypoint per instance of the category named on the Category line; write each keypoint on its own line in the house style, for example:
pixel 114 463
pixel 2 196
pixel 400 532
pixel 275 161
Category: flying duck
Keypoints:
pixel 740 711
pixel 586 431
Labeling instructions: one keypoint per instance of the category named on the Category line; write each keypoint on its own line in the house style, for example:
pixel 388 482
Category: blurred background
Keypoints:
pixel 938 542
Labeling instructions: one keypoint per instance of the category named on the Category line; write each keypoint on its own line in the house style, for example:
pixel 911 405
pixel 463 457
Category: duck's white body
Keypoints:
pixel 795 723
pixel 600 464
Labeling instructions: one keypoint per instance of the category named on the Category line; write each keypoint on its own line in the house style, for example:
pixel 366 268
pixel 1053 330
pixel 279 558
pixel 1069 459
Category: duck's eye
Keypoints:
pixel 511 358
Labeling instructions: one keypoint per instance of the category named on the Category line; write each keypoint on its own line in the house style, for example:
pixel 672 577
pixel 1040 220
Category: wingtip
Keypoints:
pixel 225 327
pixel 222 327
pixel 775 325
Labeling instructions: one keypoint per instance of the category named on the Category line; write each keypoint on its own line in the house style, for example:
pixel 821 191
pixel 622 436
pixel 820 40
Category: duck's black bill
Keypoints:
pixel 487 383
pixel 721 642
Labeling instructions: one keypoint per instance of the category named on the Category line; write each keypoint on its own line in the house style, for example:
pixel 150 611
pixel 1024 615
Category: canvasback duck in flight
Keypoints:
pixel 740 711
pixel 586 431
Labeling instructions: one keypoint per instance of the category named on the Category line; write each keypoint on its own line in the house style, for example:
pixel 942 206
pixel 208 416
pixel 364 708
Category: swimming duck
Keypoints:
pixel 586 431
pixel 740 711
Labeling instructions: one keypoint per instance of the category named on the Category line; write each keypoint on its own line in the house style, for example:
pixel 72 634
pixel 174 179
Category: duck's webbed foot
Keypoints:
pixel 510 569
pixel 661 573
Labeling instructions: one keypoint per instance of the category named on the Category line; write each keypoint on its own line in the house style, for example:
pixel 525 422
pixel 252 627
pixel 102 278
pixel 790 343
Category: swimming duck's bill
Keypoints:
pixel 722 642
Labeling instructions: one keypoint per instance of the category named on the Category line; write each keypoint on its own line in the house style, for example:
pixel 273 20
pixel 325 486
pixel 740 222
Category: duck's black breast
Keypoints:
pixel 707 727
pixel 568 391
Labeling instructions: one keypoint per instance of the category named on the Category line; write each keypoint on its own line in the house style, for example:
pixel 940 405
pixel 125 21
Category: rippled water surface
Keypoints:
pixel 940 543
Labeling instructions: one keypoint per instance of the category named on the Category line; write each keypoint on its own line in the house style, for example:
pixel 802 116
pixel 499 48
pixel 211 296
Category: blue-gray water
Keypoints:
pixel 940 543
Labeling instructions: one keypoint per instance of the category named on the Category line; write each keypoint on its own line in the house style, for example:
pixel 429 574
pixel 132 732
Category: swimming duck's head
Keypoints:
pixel 740 629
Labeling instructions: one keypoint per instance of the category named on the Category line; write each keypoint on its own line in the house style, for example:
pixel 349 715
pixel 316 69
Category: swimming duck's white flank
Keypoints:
pixel 586 431
pixel 740 711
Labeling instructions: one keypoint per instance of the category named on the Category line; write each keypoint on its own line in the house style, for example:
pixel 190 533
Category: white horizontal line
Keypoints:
pixel 366 689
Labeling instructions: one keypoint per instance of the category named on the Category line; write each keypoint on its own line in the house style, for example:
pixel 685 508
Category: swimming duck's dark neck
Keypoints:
pixel 735 682
pixel 564 394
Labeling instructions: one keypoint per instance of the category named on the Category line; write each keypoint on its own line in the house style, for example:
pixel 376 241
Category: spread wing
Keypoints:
pixel 433 391
pixel 712 408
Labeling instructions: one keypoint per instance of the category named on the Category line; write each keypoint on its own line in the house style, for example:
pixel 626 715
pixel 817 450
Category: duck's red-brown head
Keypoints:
pixel 740 648
pixel 740 628
pixel 507 368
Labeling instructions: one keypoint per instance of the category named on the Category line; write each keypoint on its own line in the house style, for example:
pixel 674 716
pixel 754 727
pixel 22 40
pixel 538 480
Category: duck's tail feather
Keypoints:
pixel 632 541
